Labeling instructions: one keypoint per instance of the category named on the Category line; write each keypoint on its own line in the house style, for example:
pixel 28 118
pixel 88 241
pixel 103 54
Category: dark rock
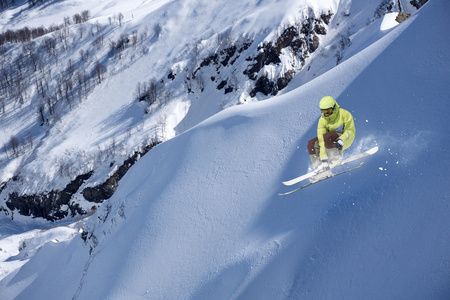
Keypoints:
pixel 104 191
pixel 402 17
pixel 229 89
pixel 284 81
pixel 265 86
pixel 314 43
pixel 229 53
pixel 222 84
pixel 48 205
pixel 319 29
pixel 326 17
pixel 418 3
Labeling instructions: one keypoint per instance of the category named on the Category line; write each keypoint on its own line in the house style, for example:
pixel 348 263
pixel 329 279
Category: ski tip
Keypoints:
pixel 373 150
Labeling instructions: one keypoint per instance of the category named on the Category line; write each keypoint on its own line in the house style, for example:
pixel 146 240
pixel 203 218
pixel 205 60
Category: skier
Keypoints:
pixel 335 133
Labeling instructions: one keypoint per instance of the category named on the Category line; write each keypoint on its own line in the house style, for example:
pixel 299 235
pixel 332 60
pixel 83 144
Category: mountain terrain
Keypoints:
pixel 222 100
pixel 92 87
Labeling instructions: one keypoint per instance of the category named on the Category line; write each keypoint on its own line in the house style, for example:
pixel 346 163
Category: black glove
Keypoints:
pixel 339 143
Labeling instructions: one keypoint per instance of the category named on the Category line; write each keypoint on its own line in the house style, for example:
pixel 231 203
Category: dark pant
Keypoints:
pixel 329 138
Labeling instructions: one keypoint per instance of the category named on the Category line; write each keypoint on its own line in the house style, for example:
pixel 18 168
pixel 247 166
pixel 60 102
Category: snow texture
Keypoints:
pixel 199 217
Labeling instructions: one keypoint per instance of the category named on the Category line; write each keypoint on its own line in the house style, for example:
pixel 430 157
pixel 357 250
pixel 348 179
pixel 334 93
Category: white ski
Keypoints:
pixel 343 162
pixel 322 179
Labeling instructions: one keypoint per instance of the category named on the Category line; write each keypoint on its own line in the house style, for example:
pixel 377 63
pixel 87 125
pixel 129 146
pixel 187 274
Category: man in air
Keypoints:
pixel 335 133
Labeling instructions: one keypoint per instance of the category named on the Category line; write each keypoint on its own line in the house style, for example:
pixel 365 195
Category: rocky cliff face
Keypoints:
pixel 299 41
pixel 55 205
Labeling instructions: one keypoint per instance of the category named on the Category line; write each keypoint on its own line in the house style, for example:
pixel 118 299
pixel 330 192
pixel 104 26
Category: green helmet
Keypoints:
pixel 327 102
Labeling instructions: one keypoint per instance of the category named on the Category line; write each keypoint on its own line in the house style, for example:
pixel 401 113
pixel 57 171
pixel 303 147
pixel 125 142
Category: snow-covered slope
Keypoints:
pixel 96 126
pixel 199 217
pixel 77 121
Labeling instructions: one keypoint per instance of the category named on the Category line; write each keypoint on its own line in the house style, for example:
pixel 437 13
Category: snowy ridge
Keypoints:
pixel 198 217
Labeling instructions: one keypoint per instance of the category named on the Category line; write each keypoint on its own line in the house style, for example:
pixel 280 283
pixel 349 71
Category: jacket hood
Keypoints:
pixel 334 115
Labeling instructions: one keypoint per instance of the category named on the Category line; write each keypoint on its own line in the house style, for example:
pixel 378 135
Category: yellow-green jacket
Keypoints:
pixel 340 121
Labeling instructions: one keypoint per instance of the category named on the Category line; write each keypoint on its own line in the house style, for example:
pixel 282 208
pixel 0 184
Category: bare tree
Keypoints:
pixel 144 34
pixel 41 111
pixel 83 80
pixel 59 86
pixel 138 91
pixel 19 90
pixel 30 139
pixel 19 66
pixel 120 18
pixel 153 92
pixel 49 45
pixel 40 86
pixel 51 103
pixel 5 78
pixel 70 68
pixel 157 30
pixel 28 48
pixel 85 15
pixel 67 21
pixel 100 70
pixel 98 42
pixel 77 19
pixel 81 54
pixel 15 145
pixel 162 125
pixel 64 35
pixel 97 25
pixel 134 38
pixel 81 30
pixel 3 52
pixel 112 48
pixel 68 87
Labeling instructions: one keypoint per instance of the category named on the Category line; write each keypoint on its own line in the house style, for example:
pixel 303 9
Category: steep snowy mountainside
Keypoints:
pixel 79 119
pixel 198 217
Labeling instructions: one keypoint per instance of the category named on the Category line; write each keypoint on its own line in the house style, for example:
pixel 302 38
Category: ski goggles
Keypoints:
pixel 327 112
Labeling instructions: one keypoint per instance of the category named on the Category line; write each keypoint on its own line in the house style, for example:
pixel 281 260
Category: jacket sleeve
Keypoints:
pixel 321 130
pixel 349 126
